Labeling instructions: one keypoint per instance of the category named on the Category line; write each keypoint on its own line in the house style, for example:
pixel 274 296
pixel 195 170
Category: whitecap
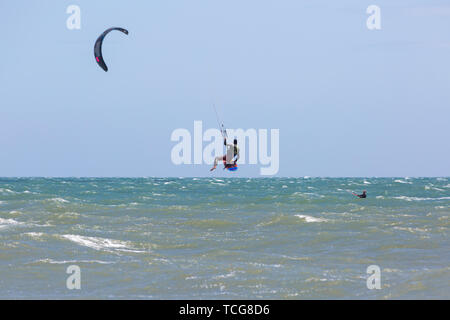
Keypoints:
pixel 218 184
pixel 60 200
pixel 50 261
pixel 228 275
pixel 412 230
pixel 8 222
pixel 402 181
pixel 310 219
pixel 5 190
pixel 101 243
pixel 420 199
pixel 316 279
pixel 34 235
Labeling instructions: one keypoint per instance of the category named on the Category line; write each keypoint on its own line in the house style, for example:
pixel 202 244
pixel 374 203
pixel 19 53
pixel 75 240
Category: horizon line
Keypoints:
pixel 204 177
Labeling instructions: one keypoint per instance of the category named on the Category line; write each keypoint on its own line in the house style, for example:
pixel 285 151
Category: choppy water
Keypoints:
pixel 224 238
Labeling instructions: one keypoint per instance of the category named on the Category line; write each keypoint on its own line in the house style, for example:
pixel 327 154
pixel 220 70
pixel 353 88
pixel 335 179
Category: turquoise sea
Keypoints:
pixel 201 238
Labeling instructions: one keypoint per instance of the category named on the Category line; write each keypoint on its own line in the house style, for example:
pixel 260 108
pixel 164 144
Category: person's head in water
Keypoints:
pixel 235 141
pixel 364 191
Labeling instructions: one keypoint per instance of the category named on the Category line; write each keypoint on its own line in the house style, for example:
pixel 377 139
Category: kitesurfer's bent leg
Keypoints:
pixel 216 161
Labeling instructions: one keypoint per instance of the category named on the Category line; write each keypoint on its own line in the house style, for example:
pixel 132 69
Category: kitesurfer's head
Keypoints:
pixel 235 141
pixel 364 191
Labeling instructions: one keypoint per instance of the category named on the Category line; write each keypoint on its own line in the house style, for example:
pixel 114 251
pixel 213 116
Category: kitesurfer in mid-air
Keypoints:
pixel 232 156
pixel 363 195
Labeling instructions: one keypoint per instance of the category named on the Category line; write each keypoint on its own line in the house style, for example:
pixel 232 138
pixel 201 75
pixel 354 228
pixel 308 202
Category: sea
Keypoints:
pixel 224 238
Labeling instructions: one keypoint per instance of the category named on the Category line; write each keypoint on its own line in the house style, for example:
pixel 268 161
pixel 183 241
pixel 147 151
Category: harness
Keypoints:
pixel 229 166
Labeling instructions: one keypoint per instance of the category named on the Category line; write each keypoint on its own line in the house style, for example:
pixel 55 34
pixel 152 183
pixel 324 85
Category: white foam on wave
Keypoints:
pixel 410 229
pixel 59 200
pixel 6 190
pixel 218 184
pixel 4 223
pixel 263 265
pixel 228 275
pixel 431 187
pixel 420 199
pixel 314 279
pixel 310 219
pixel 34 235
pixel 308 195
pixel 50 261
pixel 402 181
pixel 101 243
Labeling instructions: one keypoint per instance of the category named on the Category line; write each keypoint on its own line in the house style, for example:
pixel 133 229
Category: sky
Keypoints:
pixel 348 101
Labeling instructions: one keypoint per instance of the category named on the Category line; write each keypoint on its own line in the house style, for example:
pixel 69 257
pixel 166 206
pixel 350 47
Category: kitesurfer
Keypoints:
pixel 231 158
pixel 363 195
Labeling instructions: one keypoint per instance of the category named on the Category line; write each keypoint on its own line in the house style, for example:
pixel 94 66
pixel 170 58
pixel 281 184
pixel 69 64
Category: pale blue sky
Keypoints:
pixel 348 101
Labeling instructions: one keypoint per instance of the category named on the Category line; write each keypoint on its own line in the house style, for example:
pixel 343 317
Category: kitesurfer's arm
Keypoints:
pixel 363 195
pixel 237 156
